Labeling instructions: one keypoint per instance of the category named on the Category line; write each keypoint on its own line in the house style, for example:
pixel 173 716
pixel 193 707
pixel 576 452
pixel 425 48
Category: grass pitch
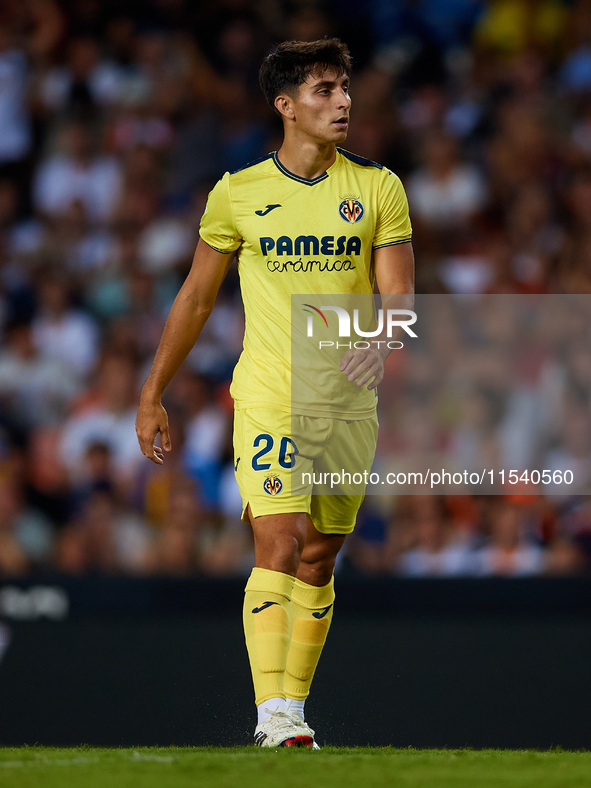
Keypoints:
pixel 250 767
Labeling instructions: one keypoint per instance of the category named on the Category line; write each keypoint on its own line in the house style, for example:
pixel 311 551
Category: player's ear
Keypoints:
pixel 284 105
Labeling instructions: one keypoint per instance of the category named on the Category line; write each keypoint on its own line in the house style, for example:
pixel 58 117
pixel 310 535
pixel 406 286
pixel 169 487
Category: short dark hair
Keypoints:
pixel 291 63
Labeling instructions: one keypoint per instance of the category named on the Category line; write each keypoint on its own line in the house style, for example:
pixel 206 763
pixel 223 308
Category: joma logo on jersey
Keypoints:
pixel 351 210
pixel 272 485
pixel 309 244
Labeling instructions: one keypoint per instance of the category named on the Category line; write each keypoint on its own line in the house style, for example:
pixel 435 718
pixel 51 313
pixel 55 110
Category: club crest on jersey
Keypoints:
pixel 351 210
pixel 272 485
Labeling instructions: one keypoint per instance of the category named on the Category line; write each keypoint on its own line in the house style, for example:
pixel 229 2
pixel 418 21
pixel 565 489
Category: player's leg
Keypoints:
pixel 351 446
pixel 279 541
pixel 312 605
pixel 278 512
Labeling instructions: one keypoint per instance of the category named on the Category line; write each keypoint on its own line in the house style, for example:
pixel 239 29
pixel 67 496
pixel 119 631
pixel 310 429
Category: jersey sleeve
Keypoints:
pixel 393 224
pixel 218 227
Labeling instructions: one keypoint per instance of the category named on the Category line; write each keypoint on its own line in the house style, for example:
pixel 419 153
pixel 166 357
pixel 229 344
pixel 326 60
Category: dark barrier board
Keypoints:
pixel 502 677
pixel 62 597
pixel 422 683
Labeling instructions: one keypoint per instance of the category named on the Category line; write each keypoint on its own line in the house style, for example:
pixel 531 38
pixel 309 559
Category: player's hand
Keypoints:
pixel 361 365
pixel 151 420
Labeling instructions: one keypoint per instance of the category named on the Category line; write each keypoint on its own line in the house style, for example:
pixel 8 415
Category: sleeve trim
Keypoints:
pixel 393 243
pixel 215 249
pixel 231 205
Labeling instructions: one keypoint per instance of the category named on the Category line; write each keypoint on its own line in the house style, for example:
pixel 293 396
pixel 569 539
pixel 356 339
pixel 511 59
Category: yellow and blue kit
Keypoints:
pixel 297 236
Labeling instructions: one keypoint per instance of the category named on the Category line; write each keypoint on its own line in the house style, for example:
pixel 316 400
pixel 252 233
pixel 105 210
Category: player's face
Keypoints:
pixel 322 105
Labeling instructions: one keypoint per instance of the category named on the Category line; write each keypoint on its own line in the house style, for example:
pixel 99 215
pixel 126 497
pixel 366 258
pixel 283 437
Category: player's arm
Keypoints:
pixel 395 277
pixel 188 315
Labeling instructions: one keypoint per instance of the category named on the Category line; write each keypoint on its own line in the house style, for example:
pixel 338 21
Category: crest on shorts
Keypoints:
pixel 351 210
pixel 272 485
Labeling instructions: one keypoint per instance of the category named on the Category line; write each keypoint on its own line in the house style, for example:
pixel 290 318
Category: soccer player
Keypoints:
pixel 310 218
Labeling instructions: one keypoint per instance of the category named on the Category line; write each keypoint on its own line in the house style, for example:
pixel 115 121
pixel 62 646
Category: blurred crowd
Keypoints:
pixel 116 119
pixel 493 383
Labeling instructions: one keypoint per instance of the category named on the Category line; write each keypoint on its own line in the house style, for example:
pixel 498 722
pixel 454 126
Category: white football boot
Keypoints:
pixel 283 730
pixel 304 728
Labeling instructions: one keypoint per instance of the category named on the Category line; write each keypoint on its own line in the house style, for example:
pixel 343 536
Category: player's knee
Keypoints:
pixel 318 569
pixel 288 547
pixel 282 553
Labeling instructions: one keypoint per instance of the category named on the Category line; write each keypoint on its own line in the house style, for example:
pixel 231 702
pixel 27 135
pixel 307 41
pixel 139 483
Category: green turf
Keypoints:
pixel 201 767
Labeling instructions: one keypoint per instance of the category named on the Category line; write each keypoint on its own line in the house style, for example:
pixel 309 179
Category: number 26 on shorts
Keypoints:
pixel 287 452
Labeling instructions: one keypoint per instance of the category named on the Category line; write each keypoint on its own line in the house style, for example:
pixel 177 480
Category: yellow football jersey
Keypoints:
pixel 298 236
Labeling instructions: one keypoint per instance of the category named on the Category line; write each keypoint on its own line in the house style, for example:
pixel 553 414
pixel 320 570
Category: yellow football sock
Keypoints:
pixel 267 627
pixel 311 608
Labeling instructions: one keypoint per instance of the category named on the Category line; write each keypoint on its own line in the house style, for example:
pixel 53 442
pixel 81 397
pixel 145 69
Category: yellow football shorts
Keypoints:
pixel 287 463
